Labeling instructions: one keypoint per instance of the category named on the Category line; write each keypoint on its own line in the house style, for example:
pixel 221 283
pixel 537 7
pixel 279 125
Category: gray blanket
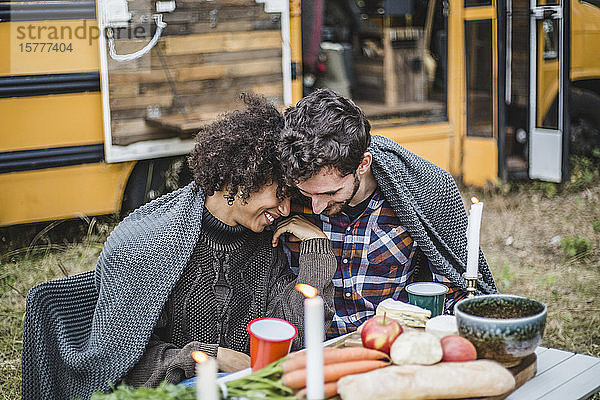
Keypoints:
pixel 85 332
pixel 427 202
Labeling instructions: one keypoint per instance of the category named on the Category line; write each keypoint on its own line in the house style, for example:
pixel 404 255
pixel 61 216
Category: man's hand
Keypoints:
pixel 231 360
pixel 300 229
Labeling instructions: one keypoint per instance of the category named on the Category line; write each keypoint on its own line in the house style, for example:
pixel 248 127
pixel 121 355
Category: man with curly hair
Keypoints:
pixel 185 272
pixel 393 217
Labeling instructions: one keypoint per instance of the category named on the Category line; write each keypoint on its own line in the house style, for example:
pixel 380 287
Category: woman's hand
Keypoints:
pixel 231 360
pixel 299 228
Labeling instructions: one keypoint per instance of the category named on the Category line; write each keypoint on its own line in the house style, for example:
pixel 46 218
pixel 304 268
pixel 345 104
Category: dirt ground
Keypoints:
pixel 540 242
pixel 526 238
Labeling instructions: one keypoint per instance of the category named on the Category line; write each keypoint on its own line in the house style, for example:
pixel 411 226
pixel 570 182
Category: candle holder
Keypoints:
pixel 471 284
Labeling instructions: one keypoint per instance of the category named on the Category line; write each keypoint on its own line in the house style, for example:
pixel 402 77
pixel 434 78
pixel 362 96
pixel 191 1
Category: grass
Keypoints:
pixel 532 237
pixel 32 254
pixel 547 248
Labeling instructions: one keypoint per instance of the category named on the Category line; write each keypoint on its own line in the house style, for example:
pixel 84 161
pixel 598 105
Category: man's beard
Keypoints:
pixel 337 207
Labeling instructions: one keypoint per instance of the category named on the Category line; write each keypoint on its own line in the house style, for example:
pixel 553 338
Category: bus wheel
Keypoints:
pixel 584 122
pixel 151 179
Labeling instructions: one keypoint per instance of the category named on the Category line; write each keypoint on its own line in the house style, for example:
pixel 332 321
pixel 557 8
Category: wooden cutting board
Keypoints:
pixel 522 373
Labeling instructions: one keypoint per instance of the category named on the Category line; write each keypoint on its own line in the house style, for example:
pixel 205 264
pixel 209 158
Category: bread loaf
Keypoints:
pixel 448 380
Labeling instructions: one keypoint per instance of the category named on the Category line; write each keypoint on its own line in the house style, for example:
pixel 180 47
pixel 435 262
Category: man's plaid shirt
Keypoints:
pixel 375 261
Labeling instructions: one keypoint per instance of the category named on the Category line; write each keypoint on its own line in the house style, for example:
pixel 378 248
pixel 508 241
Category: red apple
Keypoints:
pixel 379 333
pixel 457 348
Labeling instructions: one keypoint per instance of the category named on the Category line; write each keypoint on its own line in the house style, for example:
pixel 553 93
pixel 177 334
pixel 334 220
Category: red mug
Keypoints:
pixel 270 339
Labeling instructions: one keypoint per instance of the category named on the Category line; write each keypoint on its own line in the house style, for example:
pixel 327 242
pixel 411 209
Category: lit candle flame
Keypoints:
pixel 306 290
pixel 199 356
pixel 474 200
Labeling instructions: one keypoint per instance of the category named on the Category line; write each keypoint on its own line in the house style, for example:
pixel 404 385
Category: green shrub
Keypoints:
pixel 547 281
pixel 574 246
pixel 507 277
pixel 584 173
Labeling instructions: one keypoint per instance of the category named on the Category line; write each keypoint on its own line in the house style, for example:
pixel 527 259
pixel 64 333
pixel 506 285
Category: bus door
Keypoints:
pixel 547 152
pixel 480 147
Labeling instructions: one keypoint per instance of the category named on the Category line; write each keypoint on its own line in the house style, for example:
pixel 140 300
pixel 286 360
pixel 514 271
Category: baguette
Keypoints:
pixel 448 380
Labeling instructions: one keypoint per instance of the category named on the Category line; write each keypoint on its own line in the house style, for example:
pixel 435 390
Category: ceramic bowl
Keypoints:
pixel 503 327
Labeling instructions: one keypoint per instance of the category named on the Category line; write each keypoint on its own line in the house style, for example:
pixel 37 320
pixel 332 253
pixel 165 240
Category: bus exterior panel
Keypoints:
pixel 49 47
pixel 585 40
pixel 433 142
pixel 66 192
pixel 39 122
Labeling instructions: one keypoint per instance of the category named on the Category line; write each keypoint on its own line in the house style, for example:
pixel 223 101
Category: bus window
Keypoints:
pixel 592 2
pixel 390 57
pixel 547 74
pixel 477 3
pixel 541 3
pixel 478 35
pixel 550 39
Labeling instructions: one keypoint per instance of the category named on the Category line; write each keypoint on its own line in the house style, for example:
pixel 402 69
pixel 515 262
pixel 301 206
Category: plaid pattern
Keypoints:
pixel 374 255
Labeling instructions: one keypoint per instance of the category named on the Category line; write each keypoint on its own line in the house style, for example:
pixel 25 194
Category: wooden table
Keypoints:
pixel 561 375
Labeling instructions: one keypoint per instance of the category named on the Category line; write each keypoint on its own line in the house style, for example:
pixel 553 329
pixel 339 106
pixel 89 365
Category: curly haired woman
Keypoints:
pixel 185 272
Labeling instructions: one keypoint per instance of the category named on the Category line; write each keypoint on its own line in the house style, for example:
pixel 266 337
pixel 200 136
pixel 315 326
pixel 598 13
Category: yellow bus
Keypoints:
pixel 487 89
pixel 99 101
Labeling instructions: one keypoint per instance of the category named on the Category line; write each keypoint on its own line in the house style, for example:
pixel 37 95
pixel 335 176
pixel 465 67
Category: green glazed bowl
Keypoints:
pixel 503 327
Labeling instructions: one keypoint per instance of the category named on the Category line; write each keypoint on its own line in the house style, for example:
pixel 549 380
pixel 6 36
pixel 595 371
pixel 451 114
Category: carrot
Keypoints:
pixel 332 372
pixel 333 356
pixel 330 390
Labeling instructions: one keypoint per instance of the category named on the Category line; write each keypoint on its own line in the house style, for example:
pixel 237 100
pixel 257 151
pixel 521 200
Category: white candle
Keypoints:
pixel 206 376
pixel 313 341
pixel 473 238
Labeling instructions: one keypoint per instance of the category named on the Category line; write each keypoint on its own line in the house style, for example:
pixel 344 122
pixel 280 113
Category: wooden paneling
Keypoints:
pixel 210 52
pixel 232 70
pixel 222 42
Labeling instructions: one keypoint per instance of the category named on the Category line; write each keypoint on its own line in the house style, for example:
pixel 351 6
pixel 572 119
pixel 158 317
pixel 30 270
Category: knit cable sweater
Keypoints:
pixel 232 277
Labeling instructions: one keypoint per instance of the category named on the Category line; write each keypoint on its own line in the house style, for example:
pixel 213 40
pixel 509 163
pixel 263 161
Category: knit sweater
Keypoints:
pixel 232 277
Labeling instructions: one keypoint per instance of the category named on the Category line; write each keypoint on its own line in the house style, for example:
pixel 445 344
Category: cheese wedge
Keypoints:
pixel 404 313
